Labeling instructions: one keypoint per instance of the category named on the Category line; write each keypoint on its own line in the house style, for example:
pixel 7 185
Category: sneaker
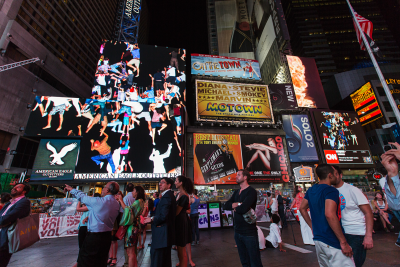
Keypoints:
pixel 193 243
pixel 391 227
pixel 397 244
pixel 198 242
pixel 386 230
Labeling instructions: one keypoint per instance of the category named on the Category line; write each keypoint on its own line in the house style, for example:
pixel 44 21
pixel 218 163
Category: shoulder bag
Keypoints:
pixel 23 233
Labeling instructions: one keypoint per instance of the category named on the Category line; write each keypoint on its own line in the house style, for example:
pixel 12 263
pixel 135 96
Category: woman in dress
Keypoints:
pixel 380 208
pixel 148 206
pixel 306 232
pixel 112 260
pixel 131 218
pixel 182 224
pixel 274 206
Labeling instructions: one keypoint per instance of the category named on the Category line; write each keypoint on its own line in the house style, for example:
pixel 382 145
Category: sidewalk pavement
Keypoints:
pixel 217 248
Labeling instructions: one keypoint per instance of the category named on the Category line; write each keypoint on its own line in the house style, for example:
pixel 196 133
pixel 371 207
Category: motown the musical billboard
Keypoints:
pixel 220 101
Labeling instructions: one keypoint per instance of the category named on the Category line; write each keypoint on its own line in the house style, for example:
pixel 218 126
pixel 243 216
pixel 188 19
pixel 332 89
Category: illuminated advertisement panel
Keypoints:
pixel 342 138
pixel 233 101
pixel 365 104
pixel 307 83
pixel 282 96
pixel 233 29
pixel 299 138
pixel 265 158
pixel 56 159
pixel 229 67
pixel 217 158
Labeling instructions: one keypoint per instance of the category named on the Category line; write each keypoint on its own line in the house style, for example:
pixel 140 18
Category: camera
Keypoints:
pixel 388 147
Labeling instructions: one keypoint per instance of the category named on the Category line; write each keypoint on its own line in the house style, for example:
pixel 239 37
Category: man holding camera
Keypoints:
pixel 392 186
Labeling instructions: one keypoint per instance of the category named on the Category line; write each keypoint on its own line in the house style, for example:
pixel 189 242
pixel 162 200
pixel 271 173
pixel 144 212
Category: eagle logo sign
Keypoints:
pixel 57 157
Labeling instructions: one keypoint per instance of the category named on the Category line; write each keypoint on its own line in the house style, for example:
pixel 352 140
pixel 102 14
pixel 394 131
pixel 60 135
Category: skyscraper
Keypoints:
pixel 323 30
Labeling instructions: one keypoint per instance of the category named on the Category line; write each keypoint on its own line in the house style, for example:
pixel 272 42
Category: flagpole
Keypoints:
pixel 378 70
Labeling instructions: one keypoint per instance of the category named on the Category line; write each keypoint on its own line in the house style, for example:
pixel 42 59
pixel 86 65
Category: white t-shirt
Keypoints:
pixel 274 235
pixel 274 206
pixel 353 219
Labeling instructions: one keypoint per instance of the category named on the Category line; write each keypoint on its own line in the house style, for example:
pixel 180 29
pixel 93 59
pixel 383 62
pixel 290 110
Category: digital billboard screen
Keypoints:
pixel 229 67
pixel 233 101
pixel 365 104
pixel 217 158
pixel 56 159
pixel 299 138
pixel 342 138
pixel 282 96
pixel 306 82
pixel 265 158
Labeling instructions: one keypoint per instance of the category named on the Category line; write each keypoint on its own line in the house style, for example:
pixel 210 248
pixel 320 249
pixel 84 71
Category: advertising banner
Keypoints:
pixel 230 67
pixel 203 216
pixel 265 42
pixel 262 215
pixel 59 226
pixel 307 83
pixel 56 159
pixel 299 138
pixel 233 29
pixel 64 207
pixel 342 138
pixel 217 158
pixel 396 132
pixel 264 157
pixel 227 217
pixel 303 174
pixel 215 215
pixel 282 96
pixel 365 104
pixel 233 101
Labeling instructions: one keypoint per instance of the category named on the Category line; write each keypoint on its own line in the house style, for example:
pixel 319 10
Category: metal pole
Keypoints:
pixel 378 70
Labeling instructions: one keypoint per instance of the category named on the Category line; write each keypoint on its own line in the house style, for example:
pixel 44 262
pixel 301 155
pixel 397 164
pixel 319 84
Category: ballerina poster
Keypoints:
pixel 217 158
pixel 265 158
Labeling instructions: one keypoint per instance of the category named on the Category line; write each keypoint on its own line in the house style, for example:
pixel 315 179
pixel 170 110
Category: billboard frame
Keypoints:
pixel 235 120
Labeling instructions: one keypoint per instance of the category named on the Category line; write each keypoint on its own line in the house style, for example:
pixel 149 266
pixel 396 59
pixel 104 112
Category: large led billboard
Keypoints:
pixel 365 104
pixel 56 159
pixel 234 29
pixel 218 157
pixel 299 138
pixel 229 67
pixel 307 83
pixel 220 101
pixel 282 96
pixel 342 138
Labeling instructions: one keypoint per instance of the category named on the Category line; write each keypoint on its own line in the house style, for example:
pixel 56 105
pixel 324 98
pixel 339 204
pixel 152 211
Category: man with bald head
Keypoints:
pixel 102 214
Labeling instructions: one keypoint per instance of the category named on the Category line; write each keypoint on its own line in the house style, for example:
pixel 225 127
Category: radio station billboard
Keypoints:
pixel 265 158
pixel 229 67
pixel 342 138
pixel 282 96
pixel 222 101
pixel 217 158
pixel 299 138
pixel 306 82
pixel 55 159
pixel 365 104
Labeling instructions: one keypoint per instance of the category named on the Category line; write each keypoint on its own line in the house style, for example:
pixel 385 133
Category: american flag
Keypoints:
pixel 366 27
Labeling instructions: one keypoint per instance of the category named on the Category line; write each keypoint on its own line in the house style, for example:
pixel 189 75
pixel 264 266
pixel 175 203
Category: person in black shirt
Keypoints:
pixel 246 236
pixel 281 208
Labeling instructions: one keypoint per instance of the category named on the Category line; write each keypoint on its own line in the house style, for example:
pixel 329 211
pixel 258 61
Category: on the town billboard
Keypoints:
pixel 229 67
pixel 365 104
pixel 220 101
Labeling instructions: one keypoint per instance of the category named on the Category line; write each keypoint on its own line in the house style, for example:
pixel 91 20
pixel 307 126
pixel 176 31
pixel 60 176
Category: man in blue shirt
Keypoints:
pixel 392 186
pixel 102 214
pixel 323 200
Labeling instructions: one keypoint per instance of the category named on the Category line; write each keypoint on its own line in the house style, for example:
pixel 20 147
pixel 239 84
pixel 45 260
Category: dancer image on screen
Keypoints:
pixel 158 159
pixel 174 59
pixel 266 153
pixel 158 114
pixel 60 105
pixel 135 51
pixel 104 152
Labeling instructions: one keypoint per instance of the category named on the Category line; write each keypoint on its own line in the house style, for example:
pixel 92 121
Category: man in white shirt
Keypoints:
pixel 274 238
pixel 357 219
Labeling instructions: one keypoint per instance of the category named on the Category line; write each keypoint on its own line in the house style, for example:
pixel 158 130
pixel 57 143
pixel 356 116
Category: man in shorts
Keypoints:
pixel 104 152
pixel 60 105
pixel 135 51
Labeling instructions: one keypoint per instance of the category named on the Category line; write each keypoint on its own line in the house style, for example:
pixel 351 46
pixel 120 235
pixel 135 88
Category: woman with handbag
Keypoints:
pixel 130 223
pixel 182 226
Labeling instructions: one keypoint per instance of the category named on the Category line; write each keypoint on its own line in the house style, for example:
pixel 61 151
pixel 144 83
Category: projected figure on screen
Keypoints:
pixel 353 137
pixel 60 105
pixel 267 154
pixel 104 152
pixel 134 63
pixel 158 160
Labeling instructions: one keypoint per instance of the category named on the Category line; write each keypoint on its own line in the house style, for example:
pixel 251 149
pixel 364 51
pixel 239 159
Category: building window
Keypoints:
pixel 26 152
pixel 386 138
pixel 381 92
pixel 5 139
pixel 392 119
pixel 387 106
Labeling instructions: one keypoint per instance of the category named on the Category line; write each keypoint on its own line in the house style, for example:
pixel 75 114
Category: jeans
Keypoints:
pixel 282 215
pixel 126 109
pixel 248 249
pixel 108 157
pixel 194 218
pixel 397 214
pixel 356 244
pixel 5 257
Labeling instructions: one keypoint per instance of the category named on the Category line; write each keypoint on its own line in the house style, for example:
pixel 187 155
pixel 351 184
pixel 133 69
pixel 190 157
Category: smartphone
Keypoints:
pixel 388 147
